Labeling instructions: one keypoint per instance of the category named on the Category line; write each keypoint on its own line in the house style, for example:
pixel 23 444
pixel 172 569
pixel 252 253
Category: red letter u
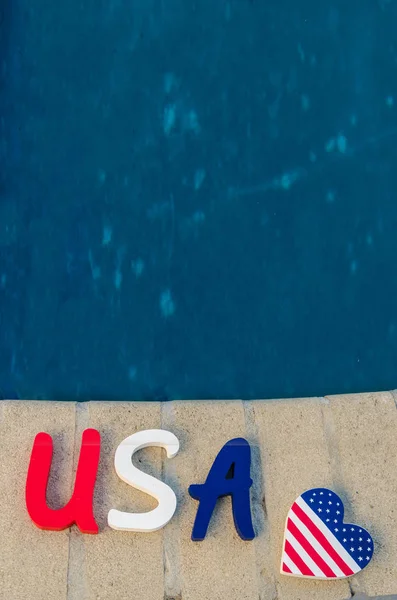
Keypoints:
pixel 79 509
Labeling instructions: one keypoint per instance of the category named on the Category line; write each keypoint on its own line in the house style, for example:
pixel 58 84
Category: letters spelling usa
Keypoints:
pixel 229 476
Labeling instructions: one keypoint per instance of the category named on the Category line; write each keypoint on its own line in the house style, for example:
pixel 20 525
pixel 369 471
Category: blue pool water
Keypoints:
pixel 197 198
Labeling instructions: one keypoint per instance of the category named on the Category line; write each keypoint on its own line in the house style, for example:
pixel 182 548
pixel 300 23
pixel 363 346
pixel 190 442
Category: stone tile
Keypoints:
pixel 295 458
pixel 118 564
pixel 222 565
pixel 33 563
pixel 366 431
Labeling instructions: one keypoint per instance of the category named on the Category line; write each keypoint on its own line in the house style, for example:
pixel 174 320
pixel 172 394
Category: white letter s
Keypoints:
pixel 163 513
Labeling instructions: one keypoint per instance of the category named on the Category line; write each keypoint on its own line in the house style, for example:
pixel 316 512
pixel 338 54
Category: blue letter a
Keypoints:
pixel 228 476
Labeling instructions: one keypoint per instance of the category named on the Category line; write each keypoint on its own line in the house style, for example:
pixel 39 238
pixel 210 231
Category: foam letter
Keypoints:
pixel 228 476
pixel 162 514
pixel 79 508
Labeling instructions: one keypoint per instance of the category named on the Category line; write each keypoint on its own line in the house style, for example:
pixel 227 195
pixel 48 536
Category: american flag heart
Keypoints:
pixel 318 544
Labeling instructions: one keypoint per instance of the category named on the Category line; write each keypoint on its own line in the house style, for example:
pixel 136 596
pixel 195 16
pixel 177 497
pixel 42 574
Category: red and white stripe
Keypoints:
pixel 311 549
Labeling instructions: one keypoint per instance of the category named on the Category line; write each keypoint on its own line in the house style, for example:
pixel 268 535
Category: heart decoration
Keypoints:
pixel 318 544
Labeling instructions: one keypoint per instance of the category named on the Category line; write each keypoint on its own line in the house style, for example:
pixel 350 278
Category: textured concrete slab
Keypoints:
pixel 119 564
pixel 366 431
pixel 33 563
pixel 344 442
pixel 221 566
pixel 295 457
